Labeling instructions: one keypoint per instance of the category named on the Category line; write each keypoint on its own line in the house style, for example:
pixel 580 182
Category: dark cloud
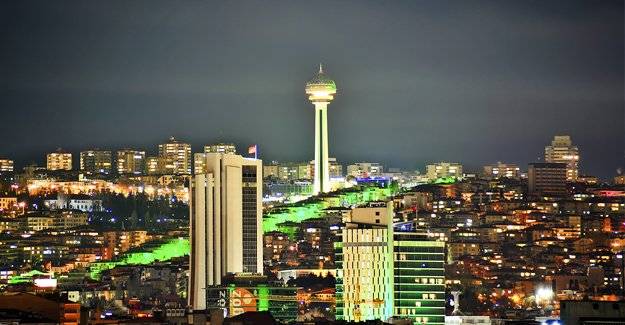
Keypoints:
pixel 474 82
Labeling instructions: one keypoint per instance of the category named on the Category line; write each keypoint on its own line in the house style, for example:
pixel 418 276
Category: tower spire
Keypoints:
pixel 320 67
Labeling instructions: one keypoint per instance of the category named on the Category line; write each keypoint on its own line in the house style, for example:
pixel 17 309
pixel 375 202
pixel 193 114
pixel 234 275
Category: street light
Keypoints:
pixel 543 293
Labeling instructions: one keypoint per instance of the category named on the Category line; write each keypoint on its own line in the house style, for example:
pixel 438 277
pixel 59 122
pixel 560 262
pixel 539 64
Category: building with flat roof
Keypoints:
pixel 365 169
pixel 228 148
pixel 178 155
pixel 563 151
pixel 96 161
pixel 547 179
pixel 443 170
pixel 226 222
pixel 383 273
pixel 130 161
pixel 6 165
pixel 500 170
pixel 59 160
pixel 242 293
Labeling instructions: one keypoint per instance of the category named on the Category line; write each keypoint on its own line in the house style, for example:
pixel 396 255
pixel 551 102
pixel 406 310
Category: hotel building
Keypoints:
pixel 383 273
pixel 226 222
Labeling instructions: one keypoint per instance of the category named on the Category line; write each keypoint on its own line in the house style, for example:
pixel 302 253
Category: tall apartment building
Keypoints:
pixel 500 170
pixel 159 165
pixel 199 162
pixel 130 161
pixel 547 179
pixel 178 154
pixel 6 165
pixel 365 169
pixel 383 273
pixel 228 148
pixel 563 151
pixel 96 161
pixel 59 160
pixel 443 169
pixel 226 222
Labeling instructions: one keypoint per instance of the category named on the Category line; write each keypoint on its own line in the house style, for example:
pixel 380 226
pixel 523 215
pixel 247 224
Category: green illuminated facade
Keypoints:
pixel 378 279
pixel 171 249
pixel 314 207
pixel 419 278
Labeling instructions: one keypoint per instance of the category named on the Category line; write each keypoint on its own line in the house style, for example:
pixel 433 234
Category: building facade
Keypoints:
pixel 96 161
pixel 500 170
pixel 6 165
pixel 547 179
pixel 443 170
pixel 59 160
pixel 178 154
pixel 228 148
pixel 563 151
pixel 365 169
pixel 383 273
pixel 226 222
pixel 130 161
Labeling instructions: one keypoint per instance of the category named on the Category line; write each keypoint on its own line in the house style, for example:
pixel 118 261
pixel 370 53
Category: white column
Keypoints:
pixel 198 242
pixel 317 171
pixel 325 163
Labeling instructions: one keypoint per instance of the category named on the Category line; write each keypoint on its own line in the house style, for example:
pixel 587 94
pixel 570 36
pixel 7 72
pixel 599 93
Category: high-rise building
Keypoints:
pixel 130 161
pixel 6 165
pixel 228 148
pixel 500 170
pixel 563 151
pixel 199 161
pixel 443 170
pixel 178 153
pixel 321 90
pixel 96 161
pixel 383 273
pixel 157 165
pixel 59 160
pixel 547 179
pixel 365 169
pixel 226 222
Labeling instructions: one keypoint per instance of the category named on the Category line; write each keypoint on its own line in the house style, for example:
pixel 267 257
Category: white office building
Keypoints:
pixel 226 222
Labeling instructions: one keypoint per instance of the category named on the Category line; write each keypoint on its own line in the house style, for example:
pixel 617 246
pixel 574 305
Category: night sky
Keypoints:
pixel 419 81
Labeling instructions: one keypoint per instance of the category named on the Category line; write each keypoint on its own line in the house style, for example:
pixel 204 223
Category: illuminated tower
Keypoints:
pixel 320 91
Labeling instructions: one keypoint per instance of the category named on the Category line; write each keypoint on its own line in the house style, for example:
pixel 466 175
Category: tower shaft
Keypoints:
pixel 322 169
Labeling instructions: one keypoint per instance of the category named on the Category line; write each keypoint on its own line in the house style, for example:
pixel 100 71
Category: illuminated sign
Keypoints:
pixel 45 283
pixel 241 300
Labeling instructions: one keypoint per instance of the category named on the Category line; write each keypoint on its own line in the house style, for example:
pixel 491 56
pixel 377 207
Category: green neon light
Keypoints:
pixel 445 180
pixel 174 248
pixel 263 298
pixel 26 277
pixel 287 217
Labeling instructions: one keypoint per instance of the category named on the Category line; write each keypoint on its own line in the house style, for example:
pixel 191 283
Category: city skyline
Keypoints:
pixel 330 162
pixel 427 79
